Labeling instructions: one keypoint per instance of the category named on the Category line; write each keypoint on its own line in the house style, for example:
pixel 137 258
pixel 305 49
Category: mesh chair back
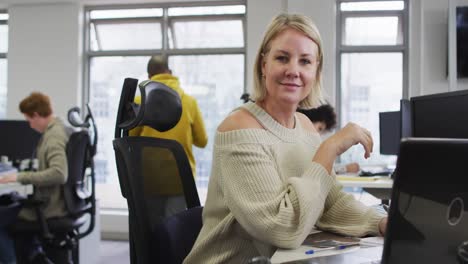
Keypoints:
pixel 74 190
pixel 160 184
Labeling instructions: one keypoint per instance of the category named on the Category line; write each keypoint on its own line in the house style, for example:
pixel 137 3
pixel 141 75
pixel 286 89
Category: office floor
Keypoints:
pixel 115 252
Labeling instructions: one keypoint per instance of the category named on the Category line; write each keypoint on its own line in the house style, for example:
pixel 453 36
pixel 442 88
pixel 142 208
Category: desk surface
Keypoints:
pixel 382 183
pixel 370 250
pixel 359 256
pixel 15 186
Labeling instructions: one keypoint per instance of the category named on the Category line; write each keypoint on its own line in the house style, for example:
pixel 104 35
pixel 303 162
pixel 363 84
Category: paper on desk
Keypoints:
pixel 285 255
pixel 371 242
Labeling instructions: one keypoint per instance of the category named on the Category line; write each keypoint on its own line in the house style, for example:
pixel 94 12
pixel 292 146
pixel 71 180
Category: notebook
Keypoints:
pixel 428 218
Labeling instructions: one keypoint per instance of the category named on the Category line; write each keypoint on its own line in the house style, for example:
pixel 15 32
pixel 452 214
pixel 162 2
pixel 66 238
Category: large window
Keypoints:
pixel 372 63
pixel 206 50
pixel 3 61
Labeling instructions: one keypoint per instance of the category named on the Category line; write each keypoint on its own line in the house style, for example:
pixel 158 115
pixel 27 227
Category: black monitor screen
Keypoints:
pixel 462 41
pixel 389 132
pixel 405 117
pixel 17 139
pixel 443 115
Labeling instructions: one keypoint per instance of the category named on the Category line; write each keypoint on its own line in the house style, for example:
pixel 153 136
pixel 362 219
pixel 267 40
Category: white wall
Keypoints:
pixel 44 54
pixel 322 13
pixel 259 14
pixel 433 36
pixel 428 48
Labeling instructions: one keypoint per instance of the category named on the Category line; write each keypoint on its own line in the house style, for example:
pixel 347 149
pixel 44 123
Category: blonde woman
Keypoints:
pixel 272 180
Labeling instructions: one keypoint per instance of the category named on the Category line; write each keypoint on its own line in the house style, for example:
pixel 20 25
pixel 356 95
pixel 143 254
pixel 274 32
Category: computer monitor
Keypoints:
pixel 394 126
pixel 390 133
pixel 443 115
pixel 18 140
pixel 406 118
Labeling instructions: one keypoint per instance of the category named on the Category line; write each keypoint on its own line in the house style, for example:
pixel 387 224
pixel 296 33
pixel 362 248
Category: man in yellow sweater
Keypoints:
pixel 191 129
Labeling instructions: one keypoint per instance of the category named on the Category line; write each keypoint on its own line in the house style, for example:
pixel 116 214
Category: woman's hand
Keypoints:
pixel 12 177
pixel 335 145
pixel 350 135
pixel 383 226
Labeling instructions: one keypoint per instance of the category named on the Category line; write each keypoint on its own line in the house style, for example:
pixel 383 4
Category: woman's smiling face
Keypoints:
pixel 289 67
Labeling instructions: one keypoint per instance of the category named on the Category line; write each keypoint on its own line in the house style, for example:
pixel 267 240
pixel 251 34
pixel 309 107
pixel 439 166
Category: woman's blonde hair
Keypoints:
pixel 280 23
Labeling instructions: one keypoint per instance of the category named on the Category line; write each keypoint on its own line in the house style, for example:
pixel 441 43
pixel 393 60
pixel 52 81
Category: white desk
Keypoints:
pixel 381 188
pixel 20 188
pixel 384 183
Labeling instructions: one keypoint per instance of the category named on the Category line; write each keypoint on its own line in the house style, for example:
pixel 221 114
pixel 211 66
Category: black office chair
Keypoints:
pixel 179 232
pixel 59 236
pixel 155 174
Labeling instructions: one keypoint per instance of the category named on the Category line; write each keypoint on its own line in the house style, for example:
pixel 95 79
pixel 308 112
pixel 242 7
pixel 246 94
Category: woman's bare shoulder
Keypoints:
pixel 239 119
pixel 306 123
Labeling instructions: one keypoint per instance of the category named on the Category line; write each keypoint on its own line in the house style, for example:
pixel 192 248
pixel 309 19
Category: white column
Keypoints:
pixel 259 15
pixel 44 54
pixel 323 14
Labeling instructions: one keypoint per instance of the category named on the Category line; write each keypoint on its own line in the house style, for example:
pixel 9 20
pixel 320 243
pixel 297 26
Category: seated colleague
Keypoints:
pixel 272 179
pixel 52 171
pixel 324 120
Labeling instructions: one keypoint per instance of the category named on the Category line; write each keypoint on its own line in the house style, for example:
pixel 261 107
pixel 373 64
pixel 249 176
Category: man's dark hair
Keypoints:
pixel 158 65
pixel 324 113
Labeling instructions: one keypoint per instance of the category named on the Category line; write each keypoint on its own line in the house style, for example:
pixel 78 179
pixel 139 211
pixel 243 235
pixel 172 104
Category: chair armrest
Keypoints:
pixel 38 206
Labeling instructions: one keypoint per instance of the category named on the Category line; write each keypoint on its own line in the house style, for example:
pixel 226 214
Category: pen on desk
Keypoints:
pixel 339 247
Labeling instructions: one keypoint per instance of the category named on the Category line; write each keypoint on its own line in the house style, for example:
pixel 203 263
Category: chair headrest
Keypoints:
pixel 160 108
pixel 163 107
pixel 75 119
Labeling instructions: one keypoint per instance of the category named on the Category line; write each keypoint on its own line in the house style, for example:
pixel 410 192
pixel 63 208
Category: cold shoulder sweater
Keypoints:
pixel 265 192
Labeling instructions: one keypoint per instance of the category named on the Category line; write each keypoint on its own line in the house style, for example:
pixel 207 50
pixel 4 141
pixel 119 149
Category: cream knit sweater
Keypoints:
pixel 265 192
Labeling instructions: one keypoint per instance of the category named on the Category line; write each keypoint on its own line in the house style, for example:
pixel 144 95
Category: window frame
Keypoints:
pixel 3 55
pixel 341 49
pixel 166 24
